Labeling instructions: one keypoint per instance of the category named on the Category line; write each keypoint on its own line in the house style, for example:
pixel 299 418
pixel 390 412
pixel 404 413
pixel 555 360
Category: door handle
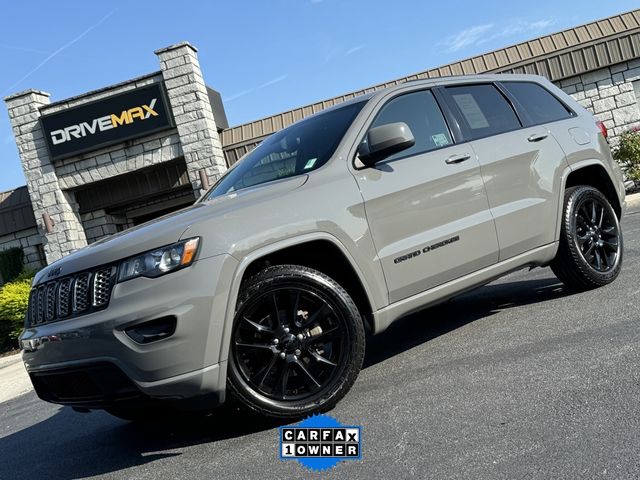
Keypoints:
pixel 461 157
pixel 536 137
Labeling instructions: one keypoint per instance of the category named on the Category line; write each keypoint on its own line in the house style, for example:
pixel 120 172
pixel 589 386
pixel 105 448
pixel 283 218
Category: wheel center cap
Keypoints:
pixel 289 343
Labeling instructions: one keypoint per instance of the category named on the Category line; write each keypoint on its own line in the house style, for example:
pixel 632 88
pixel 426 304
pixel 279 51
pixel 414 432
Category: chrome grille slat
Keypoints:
pixel 81 292
pixel 70 296
pixel 50 302
pixel 40 308
pixel 101 287
pixel 33 307
pixel 64 297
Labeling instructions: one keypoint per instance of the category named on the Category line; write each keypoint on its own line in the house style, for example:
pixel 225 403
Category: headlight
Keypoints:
pixel 159 261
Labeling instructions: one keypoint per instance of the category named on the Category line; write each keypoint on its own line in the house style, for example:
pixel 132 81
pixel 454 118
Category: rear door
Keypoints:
pixel 426 206
pixel 521 162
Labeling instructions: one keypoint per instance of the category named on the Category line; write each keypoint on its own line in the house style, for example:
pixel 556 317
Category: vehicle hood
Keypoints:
pixel 170 228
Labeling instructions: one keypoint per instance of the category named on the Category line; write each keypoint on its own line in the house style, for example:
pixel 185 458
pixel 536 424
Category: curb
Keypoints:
pixel 10 360
pixel 633 203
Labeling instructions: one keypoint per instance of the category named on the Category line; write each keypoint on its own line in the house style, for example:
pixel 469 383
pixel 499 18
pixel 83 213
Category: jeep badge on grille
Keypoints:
pixel 54 272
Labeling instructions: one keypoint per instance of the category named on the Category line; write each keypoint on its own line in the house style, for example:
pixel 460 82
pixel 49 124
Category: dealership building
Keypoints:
pixel 110 159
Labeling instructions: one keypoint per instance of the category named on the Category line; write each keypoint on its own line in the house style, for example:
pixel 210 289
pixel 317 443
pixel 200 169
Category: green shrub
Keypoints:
pixel 14 299
pixel 11 263
pixel 628 154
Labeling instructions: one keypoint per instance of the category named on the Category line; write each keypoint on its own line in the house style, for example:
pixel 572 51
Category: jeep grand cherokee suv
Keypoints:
pixel 265 288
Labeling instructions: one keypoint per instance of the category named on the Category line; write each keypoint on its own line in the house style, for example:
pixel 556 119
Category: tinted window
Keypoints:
pixel 539 104
pixel 421 113
pixel 298 149
pixel 483 110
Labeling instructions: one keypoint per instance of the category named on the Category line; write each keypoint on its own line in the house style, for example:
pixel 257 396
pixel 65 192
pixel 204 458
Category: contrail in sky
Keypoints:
pixel 59 50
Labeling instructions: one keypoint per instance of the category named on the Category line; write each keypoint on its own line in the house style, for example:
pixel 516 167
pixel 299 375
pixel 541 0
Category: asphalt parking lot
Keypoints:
pixel 518 379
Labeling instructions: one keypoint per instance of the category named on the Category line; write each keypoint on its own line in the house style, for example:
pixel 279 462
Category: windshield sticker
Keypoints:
pixel 310 163
pixel 440 140
pixel 471 111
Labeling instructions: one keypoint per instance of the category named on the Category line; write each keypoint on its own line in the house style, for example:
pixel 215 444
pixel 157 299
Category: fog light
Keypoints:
pixel 153 330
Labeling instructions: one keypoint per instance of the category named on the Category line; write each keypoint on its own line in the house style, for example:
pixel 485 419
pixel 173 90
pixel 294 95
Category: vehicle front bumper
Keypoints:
pixel 185 365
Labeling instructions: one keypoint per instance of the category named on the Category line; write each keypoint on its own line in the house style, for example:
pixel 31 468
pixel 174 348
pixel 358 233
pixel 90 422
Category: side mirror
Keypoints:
pixel 383 141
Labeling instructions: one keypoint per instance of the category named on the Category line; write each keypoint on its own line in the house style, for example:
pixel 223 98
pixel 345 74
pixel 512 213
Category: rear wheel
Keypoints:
pixel 297 343
pixel 591 245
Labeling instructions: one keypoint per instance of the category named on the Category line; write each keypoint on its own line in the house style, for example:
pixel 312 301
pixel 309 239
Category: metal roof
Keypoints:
pixel 556 56
pixel 15 211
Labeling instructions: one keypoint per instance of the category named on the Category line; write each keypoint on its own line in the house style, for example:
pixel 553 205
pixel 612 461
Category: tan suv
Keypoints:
pixel 332 228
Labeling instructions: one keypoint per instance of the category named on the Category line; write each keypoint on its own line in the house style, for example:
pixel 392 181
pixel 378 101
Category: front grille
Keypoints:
pixel 70 296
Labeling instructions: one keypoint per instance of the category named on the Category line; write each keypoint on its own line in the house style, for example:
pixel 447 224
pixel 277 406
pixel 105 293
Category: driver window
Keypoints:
pixel 420 111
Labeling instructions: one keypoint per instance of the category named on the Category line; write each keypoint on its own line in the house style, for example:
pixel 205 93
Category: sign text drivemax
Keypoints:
pixel 106 122
pixel 110 120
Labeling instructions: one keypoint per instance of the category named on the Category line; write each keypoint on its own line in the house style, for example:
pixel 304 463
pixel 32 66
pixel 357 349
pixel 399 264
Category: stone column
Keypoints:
pixel 192 112
pixel 42 182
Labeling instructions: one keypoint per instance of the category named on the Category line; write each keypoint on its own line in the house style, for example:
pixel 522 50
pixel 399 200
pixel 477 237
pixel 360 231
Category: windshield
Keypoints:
pixel 298 149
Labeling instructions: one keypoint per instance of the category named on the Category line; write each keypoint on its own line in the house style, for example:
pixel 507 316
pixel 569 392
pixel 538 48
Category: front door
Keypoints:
pixel 426 206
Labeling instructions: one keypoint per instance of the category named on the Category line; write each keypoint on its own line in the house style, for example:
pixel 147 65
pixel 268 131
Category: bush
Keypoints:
pixel 628 154
pixel 11 263
pixel 14 299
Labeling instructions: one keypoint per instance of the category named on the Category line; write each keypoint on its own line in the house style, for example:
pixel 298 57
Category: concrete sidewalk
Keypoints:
pixel 633 203
pixel 14 380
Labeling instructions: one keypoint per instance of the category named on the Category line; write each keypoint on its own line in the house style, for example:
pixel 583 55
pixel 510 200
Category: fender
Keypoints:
pixel 565 175
pixel 266 250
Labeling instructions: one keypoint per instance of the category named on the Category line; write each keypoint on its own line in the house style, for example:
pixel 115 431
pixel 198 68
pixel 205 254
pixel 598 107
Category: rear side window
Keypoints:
pixel 483 110
pixel 420 111
pixel 539 104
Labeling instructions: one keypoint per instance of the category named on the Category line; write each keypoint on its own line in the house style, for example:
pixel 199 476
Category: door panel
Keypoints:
pixel 430 220
pixel 522 172
pixel 426 206
pixel 521 167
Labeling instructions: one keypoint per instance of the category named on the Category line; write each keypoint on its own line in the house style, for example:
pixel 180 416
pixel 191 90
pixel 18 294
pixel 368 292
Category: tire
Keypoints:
pixel 297 343
pixel 591 245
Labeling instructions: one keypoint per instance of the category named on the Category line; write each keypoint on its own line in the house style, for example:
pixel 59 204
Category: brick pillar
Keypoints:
pixel 192 112
pixel 42 181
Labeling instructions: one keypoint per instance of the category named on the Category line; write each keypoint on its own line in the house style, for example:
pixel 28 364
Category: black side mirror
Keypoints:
pixel 383 141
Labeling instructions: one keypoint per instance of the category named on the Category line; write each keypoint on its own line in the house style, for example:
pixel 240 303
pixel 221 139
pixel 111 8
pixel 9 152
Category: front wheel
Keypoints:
pixel 591 246
pixel 297 343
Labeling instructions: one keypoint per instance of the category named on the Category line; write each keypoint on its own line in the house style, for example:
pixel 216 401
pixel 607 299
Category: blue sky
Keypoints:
pixel 263 56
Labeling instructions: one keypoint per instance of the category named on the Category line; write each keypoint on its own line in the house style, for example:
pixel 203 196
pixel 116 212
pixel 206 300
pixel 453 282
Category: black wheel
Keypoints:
pixel 297 343
pixel 591 246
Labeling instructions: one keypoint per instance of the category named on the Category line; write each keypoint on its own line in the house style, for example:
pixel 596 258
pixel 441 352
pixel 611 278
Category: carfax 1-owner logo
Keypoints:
pixel 320 442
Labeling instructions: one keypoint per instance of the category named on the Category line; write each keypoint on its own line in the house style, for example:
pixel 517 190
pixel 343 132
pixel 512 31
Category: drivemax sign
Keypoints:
pixel 107 121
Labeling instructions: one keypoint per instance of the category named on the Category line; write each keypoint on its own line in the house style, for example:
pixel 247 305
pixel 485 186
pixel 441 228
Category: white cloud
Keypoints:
pixel 266 84
pixel 520 26
pixel 355 49
pixel 466 37
pixel 480 34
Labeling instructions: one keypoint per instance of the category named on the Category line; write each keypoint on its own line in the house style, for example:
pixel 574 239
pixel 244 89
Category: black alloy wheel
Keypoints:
pixel 297 343
pixel 591 246
pixel 288 342
pixel 597 234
